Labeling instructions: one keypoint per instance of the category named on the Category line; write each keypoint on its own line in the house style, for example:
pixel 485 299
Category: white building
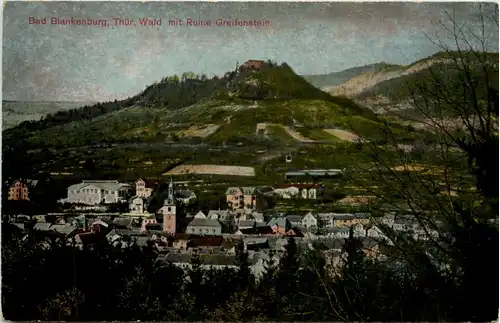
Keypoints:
pixel 138 206
pixel 98 192
pixel 144 188
pixel 309 221
pixel 304 191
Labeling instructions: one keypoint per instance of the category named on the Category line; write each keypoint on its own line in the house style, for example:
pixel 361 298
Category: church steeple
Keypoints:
pixel 170 198
pixel 171 188
pixel 169 210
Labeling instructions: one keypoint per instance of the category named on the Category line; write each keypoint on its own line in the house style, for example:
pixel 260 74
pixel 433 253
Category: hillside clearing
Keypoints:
pixel 199 131
pixel 343 135
pixel 297 136
pixel 212 170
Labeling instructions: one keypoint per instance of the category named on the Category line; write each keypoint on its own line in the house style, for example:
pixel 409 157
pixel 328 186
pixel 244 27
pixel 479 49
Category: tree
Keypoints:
pixel 89 164
pixel 246 279
pixel 288 272
pixel 456 100
pixel 63 306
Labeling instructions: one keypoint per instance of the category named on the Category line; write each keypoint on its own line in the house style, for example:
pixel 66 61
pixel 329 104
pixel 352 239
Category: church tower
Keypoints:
pixel 169 210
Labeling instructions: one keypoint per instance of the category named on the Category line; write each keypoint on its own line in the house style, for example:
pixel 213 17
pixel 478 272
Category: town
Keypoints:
pixel 324 162
pixel 176 234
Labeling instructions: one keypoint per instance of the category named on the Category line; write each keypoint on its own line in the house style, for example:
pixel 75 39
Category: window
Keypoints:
pixel 169 209
pixel 213 230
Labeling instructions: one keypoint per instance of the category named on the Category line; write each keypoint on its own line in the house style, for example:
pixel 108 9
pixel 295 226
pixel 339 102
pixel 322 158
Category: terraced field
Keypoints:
pixel 212 170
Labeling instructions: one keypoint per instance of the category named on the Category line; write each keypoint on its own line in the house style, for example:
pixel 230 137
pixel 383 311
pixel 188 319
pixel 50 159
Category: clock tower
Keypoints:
pixel 169 211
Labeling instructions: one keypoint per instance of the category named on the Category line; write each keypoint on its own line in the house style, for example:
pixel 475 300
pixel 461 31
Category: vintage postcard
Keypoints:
pixel 249 161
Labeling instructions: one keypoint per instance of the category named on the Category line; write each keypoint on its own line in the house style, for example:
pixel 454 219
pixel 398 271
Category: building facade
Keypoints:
pixel 249 198
pixel 99 192
pixel 304 191
pixel 144 187
pixel 19 191
pixel 204 227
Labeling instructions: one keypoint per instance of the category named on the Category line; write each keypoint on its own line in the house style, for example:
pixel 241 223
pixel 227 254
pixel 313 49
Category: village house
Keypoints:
pixel 316 174
pixel 210 261
pixel 295 220
pixel 280 225
pixel 87 239
pixel 346 219
pixel 200 215
pixel 229 246
pixel 125 222
pixel 220 215
pixel 245 198
pixel 144 188
pixel 374 231
pixel 405 223
pixel 258 230
pixel 242 214
pixel 138 205
pixel 325 220
pixel 93 192
pixel 257 216
pixel 287 192
pixel 309 221
pixel 149 222
pixel 185 197
pixel 246 224
pixel 101 226
pixel 205 243
pixel 304 191
pixel 255 243
pixel 180 241
pixel 20 189
pixel 204 227
pixel 336 232
pixel 67 230
pixel 227 220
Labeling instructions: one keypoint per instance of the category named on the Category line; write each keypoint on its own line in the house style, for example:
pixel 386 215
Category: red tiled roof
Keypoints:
pixel 205 241
pixel 258 230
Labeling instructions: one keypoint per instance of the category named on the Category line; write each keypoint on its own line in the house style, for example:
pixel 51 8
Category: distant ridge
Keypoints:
pixel 337 78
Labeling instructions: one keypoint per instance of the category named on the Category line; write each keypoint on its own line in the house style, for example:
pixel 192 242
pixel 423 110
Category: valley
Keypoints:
pixel 245 126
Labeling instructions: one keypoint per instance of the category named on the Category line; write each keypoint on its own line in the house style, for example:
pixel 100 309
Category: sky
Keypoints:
pixel 50 62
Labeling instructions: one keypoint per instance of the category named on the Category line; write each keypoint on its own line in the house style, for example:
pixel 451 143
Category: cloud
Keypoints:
pixel 87 63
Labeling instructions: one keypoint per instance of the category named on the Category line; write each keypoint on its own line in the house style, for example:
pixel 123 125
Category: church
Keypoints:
pixel 168 211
